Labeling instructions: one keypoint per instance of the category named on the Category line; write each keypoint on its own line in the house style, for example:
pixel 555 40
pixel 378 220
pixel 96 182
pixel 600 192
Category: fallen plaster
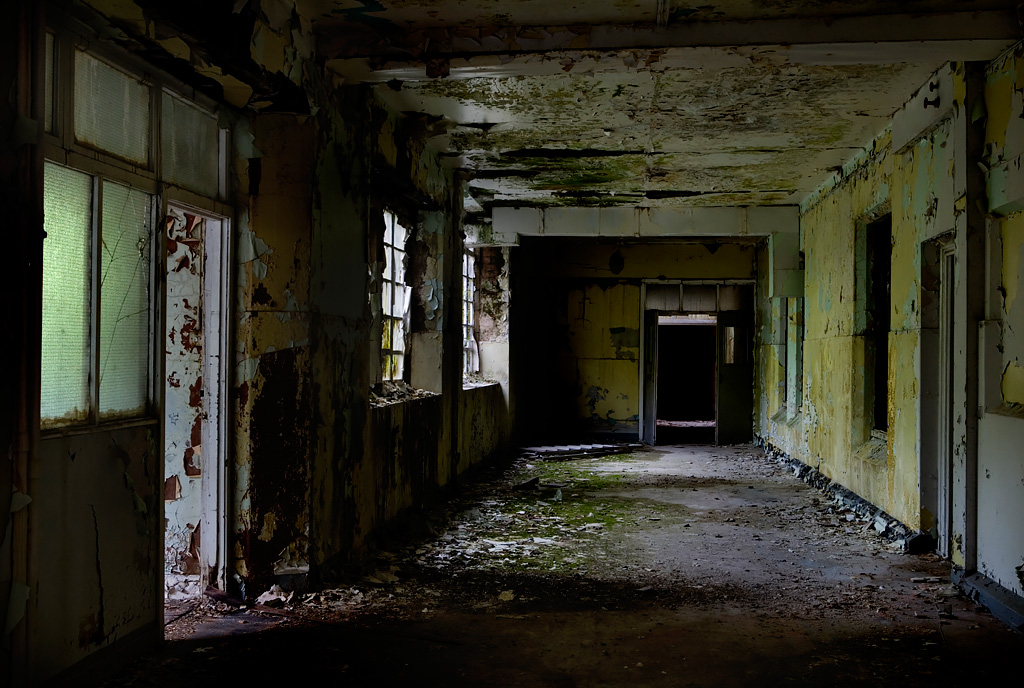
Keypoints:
pixel 904 537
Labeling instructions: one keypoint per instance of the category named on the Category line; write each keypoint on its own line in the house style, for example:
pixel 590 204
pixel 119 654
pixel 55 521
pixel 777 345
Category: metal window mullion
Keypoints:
pixel 222 162
pixel 156 94
pixel 96 297
pixel 156 298
pixel 393 279
pixel 64 91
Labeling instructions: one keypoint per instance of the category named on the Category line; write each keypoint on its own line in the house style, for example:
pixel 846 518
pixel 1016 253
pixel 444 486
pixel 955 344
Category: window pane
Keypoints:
pixel 399 267
pixel 393 364
pixel 67 277
pixel 111 110
pixel 398 338
pixel 124 301
pixel 399 238
pixel 191 146
pixel 385 297
pixel 398 309
pixel 48 124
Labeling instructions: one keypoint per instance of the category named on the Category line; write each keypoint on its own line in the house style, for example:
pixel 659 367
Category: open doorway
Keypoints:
pixel 686 378
pixel 938 274
pixel 697 368
pixel 195 391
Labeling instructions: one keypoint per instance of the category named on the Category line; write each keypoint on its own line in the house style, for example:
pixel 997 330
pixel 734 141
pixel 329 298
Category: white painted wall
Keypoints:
pixel 1001 500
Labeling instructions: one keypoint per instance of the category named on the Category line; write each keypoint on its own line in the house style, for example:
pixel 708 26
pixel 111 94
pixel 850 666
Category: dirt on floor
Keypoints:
pixel 675 566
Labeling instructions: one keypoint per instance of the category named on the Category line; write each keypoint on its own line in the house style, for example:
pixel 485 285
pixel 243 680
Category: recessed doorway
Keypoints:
pixel 686 378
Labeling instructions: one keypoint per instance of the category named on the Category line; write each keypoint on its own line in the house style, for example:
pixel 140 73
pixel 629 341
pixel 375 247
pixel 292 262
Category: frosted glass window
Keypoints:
pixel 67 289
pixel 111 110
pixel 48 124
pixel 125 259
pixel 190 146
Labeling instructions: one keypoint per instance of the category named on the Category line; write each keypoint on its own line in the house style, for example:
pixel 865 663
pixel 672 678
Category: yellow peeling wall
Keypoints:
pixel 1001 428
pixel 832 431
pixel 604 354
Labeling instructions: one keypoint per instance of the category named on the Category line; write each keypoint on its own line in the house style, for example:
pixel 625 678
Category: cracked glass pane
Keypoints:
pixel 67 277
pixel 111 110
pixel 124 301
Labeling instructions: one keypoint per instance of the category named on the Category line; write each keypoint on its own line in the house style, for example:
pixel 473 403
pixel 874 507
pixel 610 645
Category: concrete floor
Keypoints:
pixel 678 566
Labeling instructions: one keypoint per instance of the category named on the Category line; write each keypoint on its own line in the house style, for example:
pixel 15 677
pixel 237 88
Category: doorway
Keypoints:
pixel 686 379
pixel 938 271
pixel 195 390
pixel 697 385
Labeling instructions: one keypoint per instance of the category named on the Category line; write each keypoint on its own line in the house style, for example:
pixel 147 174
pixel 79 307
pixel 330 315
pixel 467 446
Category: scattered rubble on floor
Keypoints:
pixel 179 586
pixel 727 527
pixel 905 539
pixel 275 597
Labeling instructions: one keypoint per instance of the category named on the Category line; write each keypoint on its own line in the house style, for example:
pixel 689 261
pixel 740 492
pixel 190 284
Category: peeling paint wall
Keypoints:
pixel 317 470
pixel 371 464
pixel 344 358
pixel 492 293
pixel 484 425
pixel 833 431
pixel 493 305
pixel 404 437
pixel 183 401
pixel 272 376
pixel 1001 428
pixel 603 358
pixel 314 471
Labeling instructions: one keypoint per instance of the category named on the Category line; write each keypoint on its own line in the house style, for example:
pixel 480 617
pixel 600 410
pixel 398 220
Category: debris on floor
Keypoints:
pixel 672 534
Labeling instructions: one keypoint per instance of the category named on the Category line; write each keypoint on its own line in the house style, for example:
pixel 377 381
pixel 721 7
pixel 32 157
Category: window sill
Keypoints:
pixel 396 392
pixel 104 426
pixel 475 382
pixel 874 450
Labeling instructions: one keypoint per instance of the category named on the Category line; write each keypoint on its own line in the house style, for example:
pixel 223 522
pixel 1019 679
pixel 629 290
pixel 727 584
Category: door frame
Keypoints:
pixel 648 364
pixel 946 400
pixel 938 397
pixel 217 282
pixel 648 376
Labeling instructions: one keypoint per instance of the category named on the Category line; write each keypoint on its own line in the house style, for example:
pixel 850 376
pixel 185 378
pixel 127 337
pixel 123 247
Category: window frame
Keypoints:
pixel 470 348
pixel 393 273
pixel 872 319
pixel 60 147
pixel 94 256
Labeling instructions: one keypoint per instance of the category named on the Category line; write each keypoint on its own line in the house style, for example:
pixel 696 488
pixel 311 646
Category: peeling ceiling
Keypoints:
pixel 597 102
pixel 650 102
pixel 749 133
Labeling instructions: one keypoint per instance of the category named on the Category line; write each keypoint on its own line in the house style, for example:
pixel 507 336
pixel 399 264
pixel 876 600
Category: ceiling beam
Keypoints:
pixel 432 48
pixel 377 70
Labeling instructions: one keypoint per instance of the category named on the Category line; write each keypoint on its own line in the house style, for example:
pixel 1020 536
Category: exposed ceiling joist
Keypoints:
pixel 449 42
pixel 376 70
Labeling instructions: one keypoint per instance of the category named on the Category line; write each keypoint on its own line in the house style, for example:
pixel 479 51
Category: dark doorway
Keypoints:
pixel 686 382
pixel 879 249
